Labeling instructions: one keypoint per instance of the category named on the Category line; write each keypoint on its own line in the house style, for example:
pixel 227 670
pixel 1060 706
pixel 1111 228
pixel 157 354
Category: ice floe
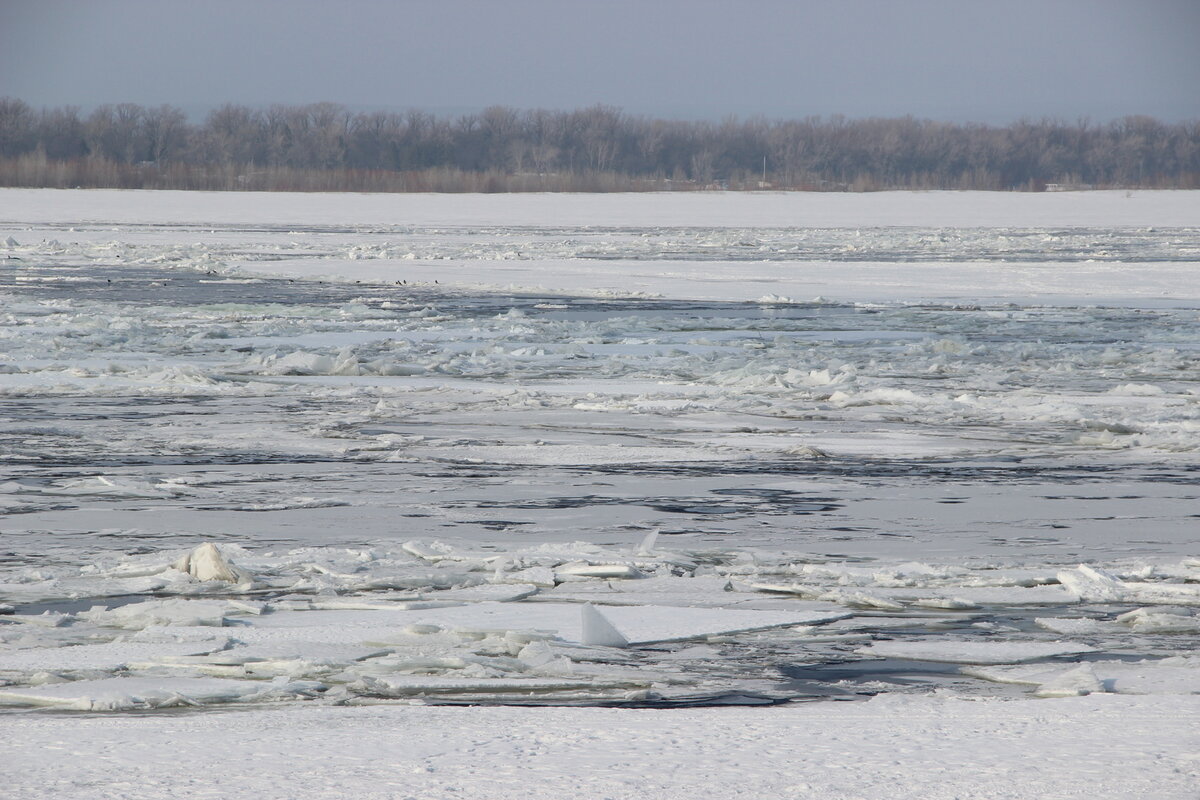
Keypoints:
pixel 1174 675
pixel 968 652
pixel 125 694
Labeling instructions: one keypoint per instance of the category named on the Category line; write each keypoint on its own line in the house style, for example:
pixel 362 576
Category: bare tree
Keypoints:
pixel 166 132
pixel 16 127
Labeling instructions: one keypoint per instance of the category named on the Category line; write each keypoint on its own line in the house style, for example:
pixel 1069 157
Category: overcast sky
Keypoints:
pixel 967 60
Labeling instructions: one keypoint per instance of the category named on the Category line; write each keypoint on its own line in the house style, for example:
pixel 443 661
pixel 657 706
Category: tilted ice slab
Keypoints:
pixel 638 624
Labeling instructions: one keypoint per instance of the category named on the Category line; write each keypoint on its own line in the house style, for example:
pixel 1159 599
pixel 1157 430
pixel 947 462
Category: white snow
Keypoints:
pixel 711 209
pixel 905 747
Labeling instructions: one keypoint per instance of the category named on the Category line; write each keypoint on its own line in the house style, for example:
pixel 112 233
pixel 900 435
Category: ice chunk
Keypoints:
pixel 947 603
pixel 301 363
pixel 184 375
pixel 246 606
pixel 137 616
pixel 1174 675
pixel 47 619
pixel 293 504
pixel 1093 585
pixel 1157 620
pixel 954 597
pixel 860 600
pixel 537 654
pixel 1173 593
pixel 1074 682
pixel 497 592
pixel 805 451
pixel 207 563
pixel 600 571
pixel 1141 620
pixel 319 653
pixel 537 576
pixel 352 603
pixel 171 634
pixel 424 551
pixel 1072 626
pixel 1021 674
pixel 597 630
pixel 981 595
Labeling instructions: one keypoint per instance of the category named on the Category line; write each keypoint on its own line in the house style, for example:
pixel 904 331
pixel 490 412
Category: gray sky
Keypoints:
pixel 966 60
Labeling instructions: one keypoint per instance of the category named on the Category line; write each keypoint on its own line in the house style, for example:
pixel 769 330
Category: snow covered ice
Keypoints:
pixel 342 460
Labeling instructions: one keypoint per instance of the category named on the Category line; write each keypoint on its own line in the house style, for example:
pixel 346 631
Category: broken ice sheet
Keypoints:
pixel 469 633
pixel 639 624
pixel 938 442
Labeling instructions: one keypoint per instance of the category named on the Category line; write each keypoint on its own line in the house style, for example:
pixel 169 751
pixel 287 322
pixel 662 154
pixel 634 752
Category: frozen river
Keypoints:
pixel 633 452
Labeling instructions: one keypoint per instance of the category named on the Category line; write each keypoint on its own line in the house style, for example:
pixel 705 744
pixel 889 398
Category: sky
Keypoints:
pixel 990 61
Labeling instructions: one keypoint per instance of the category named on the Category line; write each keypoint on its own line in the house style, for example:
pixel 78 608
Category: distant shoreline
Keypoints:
pixel 35 172
pixel 325 147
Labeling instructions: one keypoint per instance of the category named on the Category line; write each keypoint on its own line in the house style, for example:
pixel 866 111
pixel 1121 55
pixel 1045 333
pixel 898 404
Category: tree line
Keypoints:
pixel 326 147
